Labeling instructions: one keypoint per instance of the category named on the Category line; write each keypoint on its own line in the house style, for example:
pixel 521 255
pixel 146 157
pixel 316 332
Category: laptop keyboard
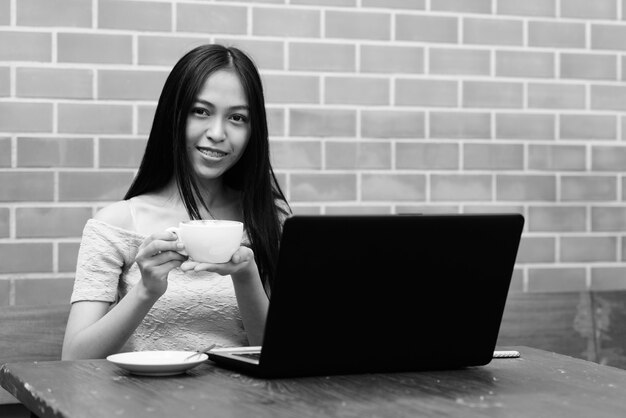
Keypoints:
pixel 253 356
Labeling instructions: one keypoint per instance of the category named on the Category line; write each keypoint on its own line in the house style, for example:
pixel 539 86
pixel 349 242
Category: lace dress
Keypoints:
pixel 198 308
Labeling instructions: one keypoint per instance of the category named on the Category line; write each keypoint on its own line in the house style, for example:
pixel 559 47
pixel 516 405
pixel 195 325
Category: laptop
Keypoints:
pixel 384 293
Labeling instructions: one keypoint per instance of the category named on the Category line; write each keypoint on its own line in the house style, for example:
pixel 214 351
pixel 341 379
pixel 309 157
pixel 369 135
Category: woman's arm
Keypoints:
pixel 94 331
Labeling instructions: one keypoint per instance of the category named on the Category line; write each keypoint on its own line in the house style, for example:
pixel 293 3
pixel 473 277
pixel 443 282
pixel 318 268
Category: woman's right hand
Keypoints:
pixel 156 257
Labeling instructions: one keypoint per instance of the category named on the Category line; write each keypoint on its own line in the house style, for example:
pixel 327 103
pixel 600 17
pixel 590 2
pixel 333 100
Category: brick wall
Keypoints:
pixel 375 106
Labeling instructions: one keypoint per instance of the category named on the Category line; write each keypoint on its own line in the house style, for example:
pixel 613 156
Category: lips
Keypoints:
pixel 212 153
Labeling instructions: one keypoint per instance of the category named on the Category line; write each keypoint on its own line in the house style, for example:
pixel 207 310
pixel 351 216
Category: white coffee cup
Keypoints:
pixel 209 241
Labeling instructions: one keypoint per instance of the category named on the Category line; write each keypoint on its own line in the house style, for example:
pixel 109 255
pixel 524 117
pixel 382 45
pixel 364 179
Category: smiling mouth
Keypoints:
pixel 212 153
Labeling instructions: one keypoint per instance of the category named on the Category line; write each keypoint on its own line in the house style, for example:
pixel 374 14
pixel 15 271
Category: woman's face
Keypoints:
pixel 218 126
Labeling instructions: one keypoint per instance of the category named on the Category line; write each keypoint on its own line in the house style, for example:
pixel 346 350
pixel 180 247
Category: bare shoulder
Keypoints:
pixel 117 214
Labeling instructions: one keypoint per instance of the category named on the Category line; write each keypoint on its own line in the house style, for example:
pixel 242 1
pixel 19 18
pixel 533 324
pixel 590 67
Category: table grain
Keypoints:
pixel 538 384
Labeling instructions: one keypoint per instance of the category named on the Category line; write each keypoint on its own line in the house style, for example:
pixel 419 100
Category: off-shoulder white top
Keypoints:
pixel 198 308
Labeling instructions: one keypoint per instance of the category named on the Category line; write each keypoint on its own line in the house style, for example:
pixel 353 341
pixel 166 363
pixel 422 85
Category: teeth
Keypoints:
pixel 210 153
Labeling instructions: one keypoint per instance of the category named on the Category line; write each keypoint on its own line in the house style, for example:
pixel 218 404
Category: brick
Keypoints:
pixel 608 279
pixel 493 94
pixel 22 186
pixel 517 281
pixel 526 187
pixel 395 4
pixel 357 91
pixel 411 92
pixel 54 152
pixel 493 208
pixel 588 188
pixel 427 28
pixel 111 157
pixel 305 209
pixel 396 187
pixel 323 187
pixel 267 55
pixel 588 66
pixel 493 31
pixel 134 15
pixel 358 155
pixel 461 125
pixel 527 8
pixel 493 156
pixel 284 88
pixel 427 156
pixel 50 222
pixel 584 249
pixel 164 50
pixel 427 208
pixel 95 118
pixel 5 222
pixel 276 121
pixel 557 219
pixel 322 57
pixel 34 46
pixel 72 13
pixel 5 292
pixel 93 186
pixel 322 122
pixel 130 85
pixel 536 250
pixel 294 22
pixel 299 155
pixel 463 6
pixel 525 126
pixel 460 187
pixel 556 34
pixel 608 218
pixel 525 63
pixel 610 37
pixel 608 158
pixel 54 83
pixel 392 59
pixel 588 127
pixel 608 98
pixel 334 3
pixel 68 254
pixel 358 210
pixel 392 124
pixel 5 81
pixel 5 12
pixel 455 61
pixel 25 117
pixel 583 9
pixel 557 157
pixel 557 279
pixel 5 152
pixel 351 25
pixel 556 96
pixel 145 116
pixel 214 18
pixel 26 257
pixel 43 291
pixel 263 1
pixel 94 48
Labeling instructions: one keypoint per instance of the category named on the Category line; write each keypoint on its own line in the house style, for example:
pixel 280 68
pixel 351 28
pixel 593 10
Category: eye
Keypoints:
pixel 239 118
pixel 199 111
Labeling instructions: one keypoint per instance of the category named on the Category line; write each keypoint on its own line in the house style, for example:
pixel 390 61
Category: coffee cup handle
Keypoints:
pixel 176 231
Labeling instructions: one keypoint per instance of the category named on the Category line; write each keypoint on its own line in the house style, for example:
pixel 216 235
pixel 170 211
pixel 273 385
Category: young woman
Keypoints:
pixel 207 157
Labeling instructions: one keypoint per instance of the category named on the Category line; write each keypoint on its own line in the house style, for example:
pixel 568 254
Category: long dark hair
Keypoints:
pixel 166 156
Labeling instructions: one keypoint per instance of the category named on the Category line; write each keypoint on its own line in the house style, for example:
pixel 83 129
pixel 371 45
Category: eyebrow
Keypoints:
pixel 231 108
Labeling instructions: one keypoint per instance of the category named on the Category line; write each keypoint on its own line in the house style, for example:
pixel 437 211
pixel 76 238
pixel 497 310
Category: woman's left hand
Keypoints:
pixel 242 259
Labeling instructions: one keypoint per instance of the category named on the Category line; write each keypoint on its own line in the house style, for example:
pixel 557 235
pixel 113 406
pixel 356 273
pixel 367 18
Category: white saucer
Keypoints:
pixel 158 363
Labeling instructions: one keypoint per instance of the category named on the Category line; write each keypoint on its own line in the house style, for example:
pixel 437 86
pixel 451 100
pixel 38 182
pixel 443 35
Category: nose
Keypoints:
pixel 215 131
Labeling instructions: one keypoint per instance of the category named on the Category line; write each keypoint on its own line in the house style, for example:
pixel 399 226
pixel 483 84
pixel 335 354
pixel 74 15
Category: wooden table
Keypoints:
pixel 539 384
